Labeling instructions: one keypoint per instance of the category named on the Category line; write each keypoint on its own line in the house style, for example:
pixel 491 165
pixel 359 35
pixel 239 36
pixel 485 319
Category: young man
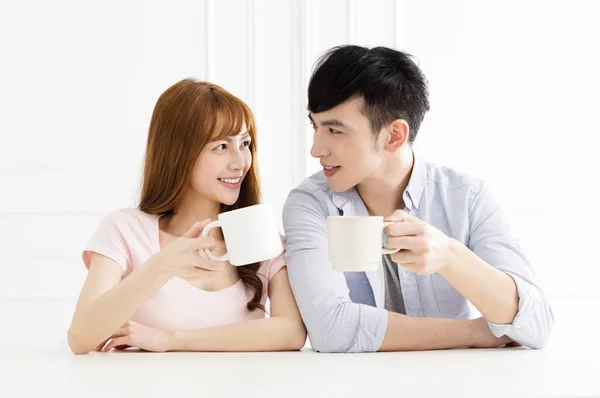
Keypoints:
pixel 457 252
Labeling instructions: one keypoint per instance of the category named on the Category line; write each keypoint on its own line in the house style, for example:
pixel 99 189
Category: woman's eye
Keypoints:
pixel 221 147
pixel 246 143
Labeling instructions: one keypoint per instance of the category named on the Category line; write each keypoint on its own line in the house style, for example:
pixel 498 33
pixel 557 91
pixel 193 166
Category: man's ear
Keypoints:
pixel 398 135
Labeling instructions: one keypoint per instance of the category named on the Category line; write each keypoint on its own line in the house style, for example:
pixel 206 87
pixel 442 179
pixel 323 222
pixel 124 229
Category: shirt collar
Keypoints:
pixel 412 194
pixel 416 185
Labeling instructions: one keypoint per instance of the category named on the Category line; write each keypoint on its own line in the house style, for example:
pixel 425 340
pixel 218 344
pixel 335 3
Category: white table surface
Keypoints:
pixel 568 367
pixel 457 373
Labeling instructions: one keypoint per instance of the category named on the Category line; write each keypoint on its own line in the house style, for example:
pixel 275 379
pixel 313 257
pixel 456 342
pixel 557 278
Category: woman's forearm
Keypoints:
pixel 269 334
pixel 97 320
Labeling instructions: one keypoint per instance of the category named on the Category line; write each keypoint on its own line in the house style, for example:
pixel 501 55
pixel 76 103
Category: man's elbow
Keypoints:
pixel 325 345
pixel 543 335
pixel 332 340
pixel 342 328
pixel 539 335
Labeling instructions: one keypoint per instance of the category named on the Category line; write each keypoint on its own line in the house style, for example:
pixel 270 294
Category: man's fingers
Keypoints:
pixel 411 243
pixel 397 216
pixel 400 216
pixel 405 257
pixel 405 229
pixel 196 229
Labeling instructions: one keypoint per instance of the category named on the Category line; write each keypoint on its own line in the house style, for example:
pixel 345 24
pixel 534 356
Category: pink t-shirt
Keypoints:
pixel 130 238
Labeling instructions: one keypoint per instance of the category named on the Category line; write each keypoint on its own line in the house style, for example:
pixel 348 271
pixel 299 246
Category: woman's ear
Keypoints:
pixel 398 135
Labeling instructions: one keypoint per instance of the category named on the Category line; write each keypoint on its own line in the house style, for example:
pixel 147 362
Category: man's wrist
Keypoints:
pixel 454 259
pixel 474 335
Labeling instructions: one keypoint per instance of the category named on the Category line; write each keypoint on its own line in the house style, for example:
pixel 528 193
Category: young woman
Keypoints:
pixel 149 283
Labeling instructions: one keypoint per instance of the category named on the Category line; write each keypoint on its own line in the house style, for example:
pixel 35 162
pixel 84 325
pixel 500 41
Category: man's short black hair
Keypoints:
pixel 392 85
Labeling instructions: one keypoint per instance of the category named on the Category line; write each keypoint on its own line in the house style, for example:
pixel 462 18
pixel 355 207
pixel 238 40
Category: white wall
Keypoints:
pixel 514 95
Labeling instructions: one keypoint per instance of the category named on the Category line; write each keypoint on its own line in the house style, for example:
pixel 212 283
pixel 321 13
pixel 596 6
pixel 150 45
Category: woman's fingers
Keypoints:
pixel 122 331
pixel 196 229
pixel 202 242
pixel 101 345
pixel 119 341
pixel 209 265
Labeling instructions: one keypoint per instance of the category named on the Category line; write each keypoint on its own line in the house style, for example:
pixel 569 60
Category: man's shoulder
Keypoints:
pixel 450 179
pixel 314 186
pixel 313 193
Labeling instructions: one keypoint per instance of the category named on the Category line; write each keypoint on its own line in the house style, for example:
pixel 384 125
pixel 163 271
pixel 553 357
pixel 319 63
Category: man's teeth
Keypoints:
pixel 230 180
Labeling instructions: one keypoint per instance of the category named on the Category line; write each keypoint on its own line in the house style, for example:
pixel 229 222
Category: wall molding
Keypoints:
pixel 352 22
pixel 399 39
pixel 251 54
pixel 302 41
pixel 209 41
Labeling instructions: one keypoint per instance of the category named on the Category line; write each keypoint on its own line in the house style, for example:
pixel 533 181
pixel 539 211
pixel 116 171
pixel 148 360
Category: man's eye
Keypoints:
pixel 332 131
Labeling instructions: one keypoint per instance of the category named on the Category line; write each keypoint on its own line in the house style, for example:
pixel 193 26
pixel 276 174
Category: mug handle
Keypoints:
pixel 211 225
pixel 383 250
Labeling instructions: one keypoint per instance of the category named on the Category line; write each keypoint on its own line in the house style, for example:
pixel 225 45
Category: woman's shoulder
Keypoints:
pixel 129 224
pixel 127 218
pixel 269 268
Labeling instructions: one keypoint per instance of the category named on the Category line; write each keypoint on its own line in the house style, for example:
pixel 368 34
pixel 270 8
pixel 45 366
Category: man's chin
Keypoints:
pixel 336 186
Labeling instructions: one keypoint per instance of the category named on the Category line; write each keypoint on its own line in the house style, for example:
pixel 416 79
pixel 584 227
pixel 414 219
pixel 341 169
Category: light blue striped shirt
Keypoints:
pixel 344 312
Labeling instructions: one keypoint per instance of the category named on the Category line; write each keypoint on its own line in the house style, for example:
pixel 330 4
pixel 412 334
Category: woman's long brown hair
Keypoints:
pixel 187 116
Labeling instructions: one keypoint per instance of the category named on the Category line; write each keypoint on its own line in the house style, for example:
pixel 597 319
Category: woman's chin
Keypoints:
pixel 228 201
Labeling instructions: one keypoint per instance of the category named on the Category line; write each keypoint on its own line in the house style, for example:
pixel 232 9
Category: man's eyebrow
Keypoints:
pixel 329 122
pixel 333 122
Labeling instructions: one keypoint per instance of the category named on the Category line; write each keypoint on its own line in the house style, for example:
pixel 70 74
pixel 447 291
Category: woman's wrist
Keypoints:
pixel 175 341
pixel 158 266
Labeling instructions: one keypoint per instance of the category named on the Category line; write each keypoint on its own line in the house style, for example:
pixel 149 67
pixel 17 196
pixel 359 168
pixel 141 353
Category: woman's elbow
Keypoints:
pixel 75 344
pixel 295 336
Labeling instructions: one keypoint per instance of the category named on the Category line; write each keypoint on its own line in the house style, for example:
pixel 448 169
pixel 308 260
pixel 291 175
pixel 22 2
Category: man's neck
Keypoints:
pixel 382 193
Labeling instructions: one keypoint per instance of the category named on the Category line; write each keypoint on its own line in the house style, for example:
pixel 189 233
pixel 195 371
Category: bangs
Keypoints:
pixel 231 115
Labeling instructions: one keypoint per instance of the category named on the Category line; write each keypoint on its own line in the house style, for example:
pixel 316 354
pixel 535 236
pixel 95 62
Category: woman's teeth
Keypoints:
pixel 230 180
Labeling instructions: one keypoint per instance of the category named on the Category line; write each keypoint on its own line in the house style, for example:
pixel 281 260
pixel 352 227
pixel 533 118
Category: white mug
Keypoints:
pixel 250 234
pixel 356 242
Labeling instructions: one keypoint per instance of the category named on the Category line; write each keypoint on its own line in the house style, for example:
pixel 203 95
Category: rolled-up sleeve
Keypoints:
pixel 333 321
pixel 492 240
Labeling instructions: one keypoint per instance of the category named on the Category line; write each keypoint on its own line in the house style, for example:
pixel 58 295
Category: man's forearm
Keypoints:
pixel 407 333
pixel 491 291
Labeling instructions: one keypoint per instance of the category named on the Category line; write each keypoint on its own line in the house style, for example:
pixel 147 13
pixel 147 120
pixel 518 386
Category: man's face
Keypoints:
pixel 345 145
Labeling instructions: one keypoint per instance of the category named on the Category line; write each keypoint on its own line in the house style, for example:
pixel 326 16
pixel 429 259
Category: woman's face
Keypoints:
pixel 221 168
